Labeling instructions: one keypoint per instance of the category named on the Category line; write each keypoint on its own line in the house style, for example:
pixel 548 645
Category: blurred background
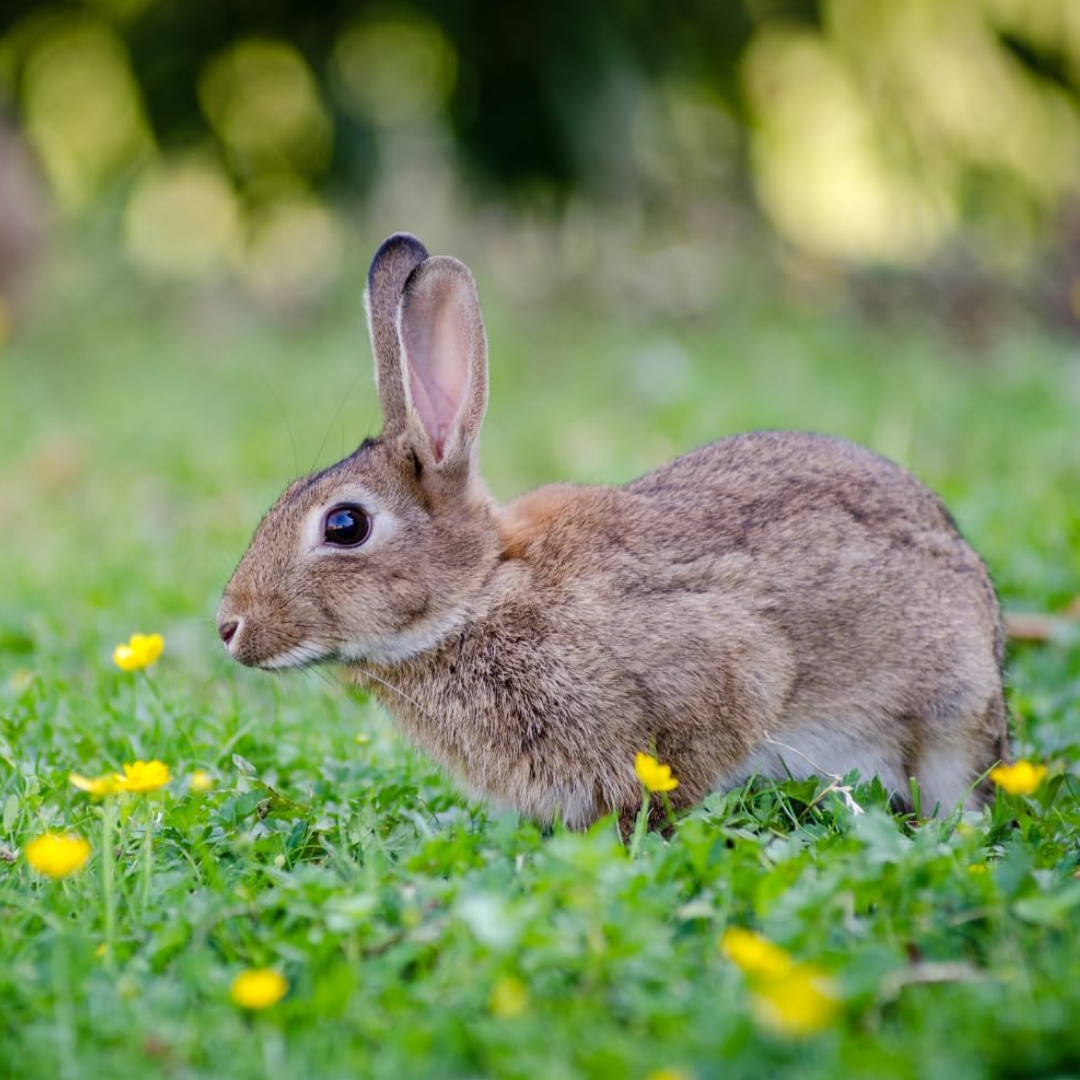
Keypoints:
pixel 859 216
pixel 932 142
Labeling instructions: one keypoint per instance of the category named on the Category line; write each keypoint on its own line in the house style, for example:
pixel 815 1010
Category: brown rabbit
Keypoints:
pixel 773 603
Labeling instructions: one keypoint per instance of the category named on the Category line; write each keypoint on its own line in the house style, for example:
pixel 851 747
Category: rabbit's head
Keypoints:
pixel 382 555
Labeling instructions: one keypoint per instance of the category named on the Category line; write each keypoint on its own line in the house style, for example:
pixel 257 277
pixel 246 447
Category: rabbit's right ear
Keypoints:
pixel 444 354
pixel 395 260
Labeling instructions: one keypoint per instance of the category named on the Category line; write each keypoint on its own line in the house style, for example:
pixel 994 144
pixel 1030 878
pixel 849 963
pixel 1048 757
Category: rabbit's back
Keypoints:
pixel 891 619
pixel 831 539
pixel 817 598
pixel 759 483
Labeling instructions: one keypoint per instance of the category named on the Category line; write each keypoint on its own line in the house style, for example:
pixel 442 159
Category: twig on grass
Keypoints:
pixel 1036 626
pixel 921 974
pixel 837 785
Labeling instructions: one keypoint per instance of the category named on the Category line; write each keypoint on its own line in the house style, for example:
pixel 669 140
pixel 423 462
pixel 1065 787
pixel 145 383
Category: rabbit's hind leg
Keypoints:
pixel 949 768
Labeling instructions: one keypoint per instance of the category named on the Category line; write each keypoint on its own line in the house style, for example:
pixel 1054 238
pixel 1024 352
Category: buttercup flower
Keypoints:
pixel 799 1003
pixel 258 988
pixel 754 954
pixel 1022 778
pixel 789 996
pixel 667 1074
pixel 56 856
pixel 653 775
pixel 138 777
pixel 201 781
pixel 141 651
pixel 143 776
pixel 509 998
pixel 95 785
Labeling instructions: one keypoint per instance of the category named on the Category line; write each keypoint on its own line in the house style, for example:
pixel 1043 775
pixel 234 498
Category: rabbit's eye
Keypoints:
pixel 346 526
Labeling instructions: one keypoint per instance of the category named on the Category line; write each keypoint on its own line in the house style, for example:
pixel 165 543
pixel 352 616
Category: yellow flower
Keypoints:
pixel 57 856
pixel 509 998
pixel 258 988
pixel 143 776
pixel 140 652
pixel 95 785
pixel 1023 778
pixel 801 1002
pixel 201 781
pixel 789 996
pixel 138 777
pixel 667 1074
pixel 756 955
pixel 653 775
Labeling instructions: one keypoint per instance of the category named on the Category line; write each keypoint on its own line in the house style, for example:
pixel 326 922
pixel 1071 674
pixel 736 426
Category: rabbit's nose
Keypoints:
pixel 227 630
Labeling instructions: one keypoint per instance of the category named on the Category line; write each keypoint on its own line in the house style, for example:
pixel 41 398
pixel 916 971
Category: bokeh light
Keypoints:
pixel 821 175
pixel 879 152
pixel 263 102
pixel 394 72
pixel 82 107
pixel 294 251
pixel 183 219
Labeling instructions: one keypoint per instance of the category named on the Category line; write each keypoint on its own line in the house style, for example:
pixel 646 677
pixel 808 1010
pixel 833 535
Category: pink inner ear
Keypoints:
pixel 435 334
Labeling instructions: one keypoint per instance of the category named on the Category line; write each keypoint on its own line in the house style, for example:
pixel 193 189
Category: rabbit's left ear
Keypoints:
pixel 395 260
pixel 444 354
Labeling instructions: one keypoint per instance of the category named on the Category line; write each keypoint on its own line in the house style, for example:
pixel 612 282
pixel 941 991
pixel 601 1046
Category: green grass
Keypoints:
pixel 143 434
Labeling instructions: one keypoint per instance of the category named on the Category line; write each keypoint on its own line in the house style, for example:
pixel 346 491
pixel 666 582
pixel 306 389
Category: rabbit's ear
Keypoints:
pixel 444 351
pixel 395 260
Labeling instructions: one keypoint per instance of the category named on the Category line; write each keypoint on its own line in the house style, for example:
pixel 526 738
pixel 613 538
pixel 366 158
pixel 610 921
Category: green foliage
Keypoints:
pixel 140 443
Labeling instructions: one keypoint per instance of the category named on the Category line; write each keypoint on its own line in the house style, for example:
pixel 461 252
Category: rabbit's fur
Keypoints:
pixel 775 603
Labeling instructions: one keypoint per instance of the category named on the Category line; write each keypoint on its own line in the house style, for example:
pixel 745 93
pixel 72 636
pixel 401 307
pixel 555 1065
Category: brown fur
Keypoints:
pixel 774 602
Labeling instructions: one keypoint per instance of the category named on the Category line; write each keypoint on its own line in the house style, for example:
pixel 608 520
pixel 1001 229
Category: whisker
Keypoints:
pixel 333 420
pixel 397 690
pixel 285 416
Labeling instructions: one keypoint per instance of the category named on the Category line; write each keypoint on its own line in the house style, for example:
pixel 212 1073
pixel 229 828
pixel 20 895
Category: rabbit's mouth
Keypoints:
pixel 254 644
pixel 306 654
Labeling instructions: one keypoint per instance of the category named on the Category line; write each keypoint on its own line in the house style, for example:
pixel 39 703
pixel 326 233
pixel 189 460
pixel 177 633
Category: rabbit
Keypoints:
pixel 775 603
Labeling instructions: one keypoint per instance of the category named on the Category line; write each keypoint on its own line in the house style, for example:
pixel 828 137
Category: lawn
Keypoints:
pixel 144 432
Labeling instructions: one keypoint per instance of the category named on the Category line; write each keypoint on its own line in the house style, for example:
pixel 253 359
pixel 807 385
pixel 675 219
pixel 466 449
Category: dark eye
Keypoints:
pixel 346 526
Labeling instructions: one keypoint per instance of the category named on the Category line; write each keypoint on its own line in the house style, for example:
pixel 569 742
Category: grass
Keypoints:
pixel 423 936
